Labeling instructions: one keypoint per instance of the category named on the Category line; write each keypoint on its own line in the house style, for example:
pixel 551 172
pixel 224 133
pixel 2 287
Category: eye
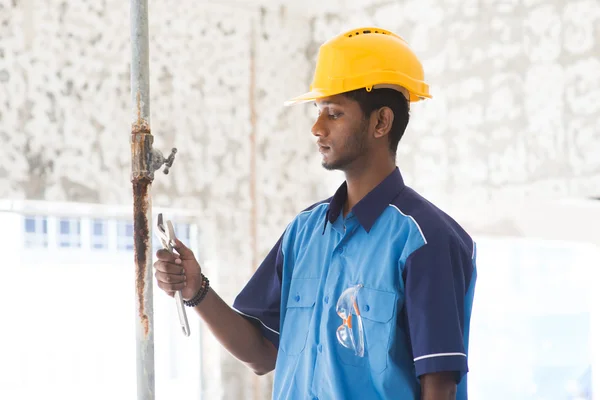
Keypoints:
pixel 331 114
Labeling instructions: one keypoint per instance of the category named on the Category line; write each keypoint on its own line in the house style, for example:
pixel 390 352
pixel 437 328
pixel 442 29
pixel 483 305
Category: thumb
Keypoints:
pixel 184 252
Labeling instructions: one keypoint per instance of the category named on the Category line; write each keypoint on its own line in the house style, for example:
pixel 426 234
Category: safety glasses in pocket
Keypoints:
pixel 350 334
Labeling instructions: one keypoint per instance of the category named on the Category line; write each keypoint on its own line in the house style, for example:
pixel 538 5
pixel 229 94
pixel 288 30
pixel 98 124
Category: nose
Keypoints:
pixel 319 128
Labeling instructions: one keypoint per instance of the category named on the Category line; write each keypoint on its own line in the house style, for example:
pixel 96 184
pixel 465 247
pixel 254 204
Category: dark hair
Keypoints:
pixel 378 98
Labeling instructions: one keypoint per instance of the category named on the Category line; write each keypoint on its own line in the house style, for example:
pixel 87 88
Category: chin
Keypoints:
pixel 332 166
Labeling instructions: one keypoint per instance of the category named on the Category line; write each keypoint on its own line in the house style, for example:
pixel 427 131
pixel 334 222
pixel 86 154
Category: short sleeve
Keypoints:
pixel 437 277
pixel 260 299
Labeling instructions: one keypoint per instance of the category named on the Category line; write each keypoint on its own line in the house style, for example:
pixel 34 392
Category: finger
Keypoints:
pixel 169 278
pixel 165 255
pixel 184 252
pixel 172 294
pixel 170 287
pixel 169 268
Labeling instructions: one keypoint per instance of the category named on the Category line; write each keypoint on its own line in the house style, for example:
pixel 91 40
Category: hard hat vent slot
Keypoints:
pixel 366 31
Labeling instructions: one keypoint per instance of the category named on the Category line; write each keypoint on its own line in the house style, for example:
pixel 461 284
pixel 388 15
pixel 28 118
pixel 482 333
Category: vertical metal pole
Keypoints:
pixel 142 175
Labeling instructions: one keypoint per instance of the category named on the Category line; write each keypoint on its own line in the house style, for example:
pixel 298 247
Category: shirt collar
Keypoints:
pixel 372 205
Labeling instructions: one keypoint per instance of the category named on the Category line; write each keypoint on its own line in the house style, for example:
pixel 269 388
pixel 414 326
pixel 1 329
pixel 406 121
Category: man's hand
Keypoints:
pixel 239 336
pixel 178 272
pixel 438 386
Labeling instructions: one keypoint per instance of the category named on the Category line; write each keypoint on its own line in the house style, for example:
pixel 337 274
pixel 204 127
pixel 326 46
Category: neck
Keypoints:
pixel 361 179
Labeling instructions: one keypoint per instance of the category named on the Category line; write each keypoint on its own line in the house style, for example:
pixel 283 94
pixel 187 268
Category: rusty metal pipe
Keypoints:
pixel 143 162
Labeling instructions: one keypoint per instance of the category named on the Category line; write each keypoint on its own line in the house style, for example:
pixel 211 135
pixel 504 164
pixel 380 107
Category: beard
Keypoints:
pixel 354 147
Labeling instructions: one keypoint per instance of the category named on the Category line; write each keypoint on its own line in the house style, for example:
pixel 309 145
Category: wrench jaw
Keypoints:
pixel 162 232
pixel 166 234
pixel 170 233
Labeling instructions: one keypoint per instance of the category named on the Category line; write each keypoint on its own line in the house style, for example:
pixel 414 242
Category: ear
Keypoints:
pixel 383 119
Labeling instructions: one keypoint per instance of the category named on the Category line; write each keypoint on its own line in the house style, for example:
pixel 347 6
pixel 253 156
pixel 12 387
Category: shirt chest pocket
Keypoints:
pixel 377 309
pixel 298 315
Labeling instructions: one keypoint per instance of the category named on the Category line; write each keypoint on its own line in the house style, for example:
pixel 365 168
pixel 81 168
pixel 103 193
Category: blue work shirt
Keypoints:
pixel 417 268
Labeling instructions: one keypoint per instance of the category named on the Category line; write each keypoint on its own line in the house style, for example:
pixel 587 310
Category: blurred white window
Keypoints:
pixel 68 316
pixel 36 231
pixel 69 232
pixel 535 327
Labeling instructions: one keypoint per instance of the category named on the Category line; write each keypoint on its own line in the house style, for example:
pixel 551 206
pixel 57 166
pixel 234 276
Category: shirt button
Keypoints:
pixel 297 298
pixel 367 308
pixel 326 299
pixel 341 250
pixel 320 348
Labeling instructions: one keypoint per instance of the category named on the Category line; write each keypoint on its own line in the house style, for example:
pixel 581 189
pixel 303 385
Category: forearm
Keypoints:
pixel 438 395
pixel 238 335
pixel 438 386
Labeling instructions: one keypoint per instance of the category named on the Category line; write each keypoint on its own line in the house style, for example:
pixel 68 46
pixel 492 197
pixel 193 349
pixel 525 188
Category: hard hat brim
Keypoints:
pixel 305 98
pixel 318 94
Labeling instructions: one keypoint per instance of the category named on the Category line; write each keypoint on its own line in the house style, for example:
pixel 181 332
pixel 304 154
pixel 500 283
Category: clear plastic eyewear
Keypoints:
pixel 348 334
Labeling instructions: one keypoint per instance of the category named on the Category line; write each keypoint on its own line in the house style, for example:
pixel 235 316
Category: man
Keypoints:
pixel 368 294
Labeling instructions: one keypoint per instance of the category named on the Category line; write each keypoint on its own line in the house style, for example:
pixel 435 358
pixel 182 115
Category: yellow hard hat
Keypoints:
pixel 366 58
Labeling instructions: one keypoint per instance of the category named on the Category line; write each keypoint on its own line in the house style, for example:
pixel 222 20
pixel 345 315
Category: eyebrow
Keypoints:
pixel 328 103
